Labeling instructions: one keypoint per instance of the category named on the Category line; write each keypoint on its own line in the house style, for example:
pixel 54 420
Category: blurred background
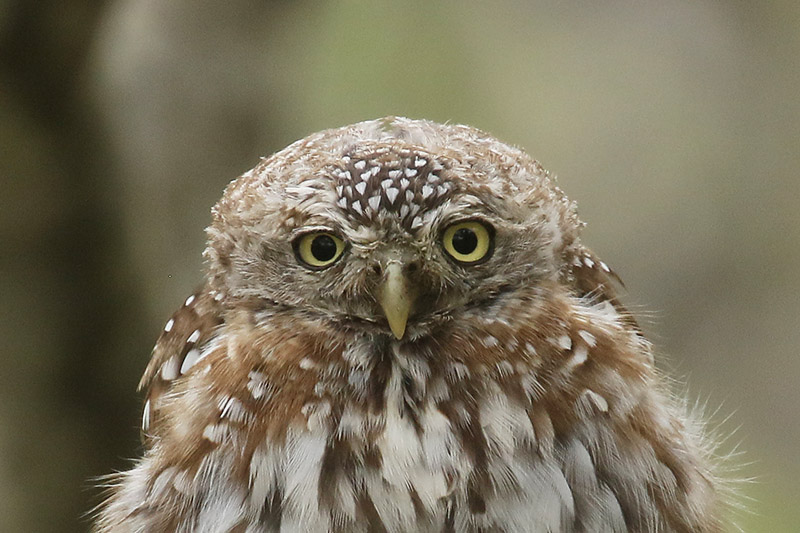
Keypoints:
pixel 675 125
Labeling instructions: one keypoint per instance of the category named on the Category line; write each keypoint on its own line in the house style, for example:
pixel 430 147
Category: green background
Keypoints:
pixel 674 125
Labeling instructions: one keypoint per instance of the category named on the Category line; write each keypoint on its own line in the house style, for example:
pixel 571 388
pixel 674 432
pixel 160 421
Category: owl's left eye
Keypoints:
pixel 468 242
pixel 319 250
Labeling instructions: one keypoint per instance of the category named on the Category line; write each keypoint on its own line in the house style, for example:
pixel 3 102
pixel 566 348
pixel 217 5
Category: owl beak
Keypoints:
pixel 396 297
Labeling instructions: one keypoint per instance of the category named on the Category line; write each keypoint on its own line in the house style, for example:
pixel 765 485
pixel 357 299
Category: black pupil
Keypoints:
pixel 323 248
pixel 465 241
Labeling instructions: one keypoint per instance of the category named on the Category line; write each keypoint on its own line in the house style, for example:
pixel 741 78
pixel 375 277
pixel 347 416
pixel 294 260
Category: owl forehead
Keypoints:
pixel 391 183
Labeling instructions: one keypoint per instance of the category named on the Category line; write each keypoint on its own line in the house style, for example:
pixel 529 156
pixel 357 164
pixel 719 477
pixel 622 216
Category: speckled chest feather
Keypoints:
pixel 397 381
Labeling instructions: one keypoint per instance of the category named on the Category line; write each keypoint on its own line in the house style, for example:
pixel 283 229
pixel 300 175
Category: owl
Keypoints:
pixel 401 330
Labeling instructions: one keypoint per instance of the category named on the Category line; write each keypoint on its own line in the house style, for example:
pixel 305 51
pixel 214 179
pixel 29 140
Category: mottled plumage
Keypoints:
pixel 401 330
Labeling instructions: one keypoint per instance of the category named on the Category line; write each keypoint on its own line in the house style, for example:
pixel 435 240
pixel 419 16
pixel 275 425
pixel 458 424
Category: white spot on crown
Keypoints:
pixel 385 177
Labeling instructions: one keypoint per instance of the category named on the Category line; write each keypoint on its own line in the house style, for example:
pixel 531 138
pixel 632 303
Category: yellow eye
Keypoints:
pixel 319 250
pixel 467 242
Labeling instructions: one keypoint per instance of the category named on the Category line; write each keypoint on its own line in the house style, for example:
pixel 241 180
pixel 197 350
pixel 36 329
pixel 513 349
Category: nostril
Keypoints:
pixel 377 269
pixel 412 267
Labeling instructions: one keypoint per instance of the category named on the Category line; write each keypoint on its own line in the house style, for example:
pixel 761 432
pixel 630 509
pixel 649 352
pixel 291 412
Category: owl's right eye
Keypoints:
pixel 318 250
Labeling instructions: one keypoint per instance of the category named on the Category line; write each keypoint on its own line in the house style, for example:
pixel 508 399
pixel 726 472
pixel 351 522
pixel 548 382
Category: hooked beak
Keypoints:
pixel 396 298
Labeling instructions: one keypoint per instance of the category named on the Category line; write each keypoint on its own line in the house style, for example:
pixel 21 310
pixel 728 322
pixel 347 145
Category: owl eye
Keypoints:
pixel 468 242
pixel 319 250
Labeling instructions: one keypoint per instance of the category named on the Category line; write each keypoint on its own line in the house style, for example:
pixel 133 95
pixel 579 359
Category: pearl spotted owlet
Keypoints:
pixel 400 330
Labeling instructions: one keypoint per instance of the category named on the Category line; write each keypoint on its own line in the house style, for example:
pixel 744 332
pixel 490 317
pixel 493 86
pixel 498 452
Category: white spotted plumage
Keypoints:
pixel 394 386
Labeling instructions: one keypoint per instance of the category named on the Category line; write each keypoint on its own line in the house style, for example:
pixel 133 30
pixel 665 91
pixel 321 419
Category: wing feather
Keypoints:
pixel 593 279
pixel 182 343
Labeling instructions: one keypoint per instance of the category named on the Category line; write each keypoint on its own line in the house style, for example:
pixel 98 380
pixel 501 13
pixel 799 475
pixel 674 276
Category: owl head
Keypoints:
pixel 392 226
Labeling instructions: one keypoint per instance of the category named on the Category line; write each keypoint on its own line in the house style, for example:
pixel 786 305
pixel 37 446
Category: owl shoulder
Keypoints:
pixel 189 336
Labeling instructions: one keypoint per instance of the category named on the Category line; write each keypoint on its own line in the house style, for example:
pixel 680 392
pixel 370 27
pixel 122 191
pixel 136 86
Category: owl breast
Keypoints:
pixel 413 453
pixel 420 435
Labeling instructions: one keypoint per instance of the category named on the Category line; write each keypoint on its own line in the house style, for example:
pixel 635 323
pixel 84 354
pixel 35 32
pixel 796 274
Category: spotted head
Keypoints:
pixel 394 226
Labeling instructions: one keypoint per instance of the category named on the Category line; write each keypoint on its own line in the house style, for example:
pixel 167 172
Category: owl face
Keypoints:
pixel 391 226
